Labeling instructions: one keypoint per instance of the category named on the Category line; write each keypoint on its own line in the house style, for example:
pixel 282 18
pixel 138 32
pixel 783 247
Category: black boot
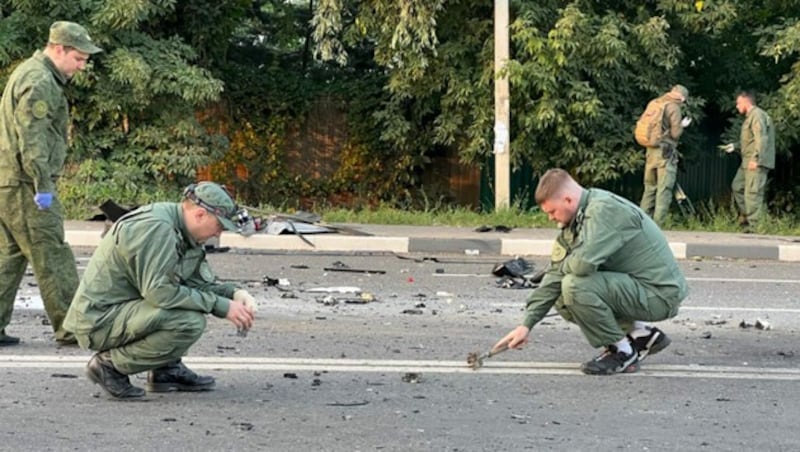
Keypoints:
pixel 177 377
pixel 101 371
pixel 6 340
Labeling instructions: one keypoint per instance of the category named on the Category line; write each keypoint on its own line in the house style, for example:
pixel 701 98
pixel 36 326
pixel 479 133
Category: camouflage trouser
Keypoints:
pixel 748 192
pixel 660 173
pixel 28 234
pixel 141 336
pixel 605 305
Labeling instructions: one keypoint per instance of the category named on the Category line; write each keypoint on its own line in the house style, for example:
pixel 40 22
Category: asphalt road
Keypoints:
pixel 321 373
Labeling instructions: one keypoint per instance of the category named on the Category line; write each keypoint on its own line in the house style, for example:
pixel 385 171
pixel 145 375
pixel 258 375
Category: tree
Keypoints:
pixel 134 133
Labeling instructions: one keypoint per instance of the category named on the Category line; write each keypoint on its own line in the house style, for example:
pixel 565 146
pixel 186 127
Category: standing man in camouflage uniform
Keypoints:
pixel 757 145
pixel 143 299
pixel 661 166
pixel 33 145
pixel 611 271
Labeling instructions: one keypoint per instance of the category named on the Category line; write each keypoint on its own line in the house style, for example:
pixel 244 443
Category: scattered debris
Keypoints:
pixel 362 403
pixel 299 266
pixel 517 274
pixel 498 228
pixel 271 282
pixel 63 376
pixel 521 418
pixel 706 335
pixel 216 249
pixel 412 377
pixel 763 325
pixel 335 289
pixel 745 324
pixel 244 426
pixel 716 322
pixel 412 311
pixel 354 270
pixel 472 252
pixel 290 375
pixel 788 354
pixel 361 298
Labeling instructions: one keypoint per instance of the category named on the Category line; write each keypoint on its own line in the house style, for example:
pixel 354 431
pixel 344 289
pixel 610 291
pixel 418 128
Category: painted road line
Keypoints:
pixel 427 366
pixel 747 280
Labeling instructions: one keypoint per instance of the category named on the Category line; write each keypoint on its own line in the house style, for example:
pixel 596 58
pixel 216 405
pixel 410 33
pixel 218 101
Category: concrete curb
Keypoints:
pixel 704 246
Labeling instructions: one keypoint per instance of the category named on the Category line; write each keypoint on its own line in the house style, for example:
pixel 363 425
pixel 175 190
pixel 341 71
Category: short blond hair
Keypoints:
pixel 551 184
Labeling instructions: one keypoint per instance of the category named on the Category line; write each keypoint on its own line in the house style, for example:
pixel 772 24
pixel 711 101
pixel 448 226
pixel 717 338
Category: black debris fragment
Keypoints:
pixel 365 402
pixel 412 377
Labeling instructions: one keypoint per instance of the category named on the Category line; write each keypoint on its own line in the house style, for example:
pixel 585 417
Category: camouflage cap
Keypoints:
pixel 216 199
pixel 72 35
pixel 680 91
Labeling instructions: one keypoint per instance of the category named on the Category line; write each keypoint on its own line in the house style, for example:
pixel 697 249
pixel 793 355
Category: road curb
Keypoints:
pixel 456 245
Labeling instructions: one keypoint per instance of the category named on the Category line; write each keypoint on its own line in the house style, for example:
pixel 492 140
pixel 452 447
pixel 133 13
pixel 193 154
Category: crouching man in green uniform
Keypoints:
pixel 143 299
pixel 611 272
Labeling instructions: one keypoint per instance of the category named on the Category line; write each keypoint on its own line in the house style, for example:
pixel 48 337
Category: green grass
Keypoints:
pixel 710 218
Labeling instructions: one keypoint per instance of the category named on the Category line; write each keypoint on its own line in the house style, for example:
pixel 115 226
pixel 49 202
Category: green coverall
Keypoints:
pixel 660 170
pixel 33 146
pixel 146 291
pixel 757 143
pixel 610 266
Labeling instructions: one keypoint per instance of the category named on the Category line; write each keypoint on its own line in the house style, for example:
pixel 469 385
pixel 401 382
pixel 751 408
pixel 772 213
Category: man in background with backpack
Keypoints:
pixel 658 130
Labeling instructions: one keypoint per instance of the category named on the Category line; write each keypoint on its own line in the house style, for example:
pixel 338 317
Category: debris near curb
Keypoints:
pixel 758 324
pixel 517 273
pixel 339 266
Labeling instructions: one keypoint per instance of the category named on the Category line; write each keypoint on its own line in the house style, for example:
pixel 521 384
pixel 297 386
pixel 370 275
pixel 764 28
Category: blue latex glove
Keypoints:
pixel 43 200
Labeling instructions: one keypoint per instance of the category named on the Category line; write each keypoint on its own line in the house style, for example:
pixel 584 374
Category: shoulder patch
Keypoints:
pixel 559 252
pixel 39 109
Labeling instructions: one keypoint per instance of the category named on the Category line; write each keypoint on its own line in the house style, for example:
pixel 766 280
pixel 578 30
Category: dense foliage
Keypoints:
pixel 228 87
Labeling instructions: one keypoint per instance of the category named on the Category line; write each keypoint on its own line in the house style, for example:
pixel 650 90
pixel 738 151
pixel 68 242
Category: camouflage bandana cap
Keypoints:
pixel 680 91
pixel 216 199
pixel 72 35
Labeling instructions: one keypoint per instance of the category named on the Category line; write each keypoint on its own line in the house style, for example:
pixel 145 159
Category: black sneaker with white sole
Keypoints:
pixel 650 344
pixel 612 361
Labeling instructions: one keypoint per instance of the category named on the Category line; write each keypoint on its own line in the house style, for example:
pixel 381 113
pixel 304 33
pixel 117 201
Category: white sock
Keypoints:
pixel 624 346
pixel 640 329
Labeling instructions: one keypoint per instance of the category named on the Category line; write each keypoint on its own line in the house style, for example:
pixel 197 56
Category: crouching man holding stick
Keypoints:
pixel 611 272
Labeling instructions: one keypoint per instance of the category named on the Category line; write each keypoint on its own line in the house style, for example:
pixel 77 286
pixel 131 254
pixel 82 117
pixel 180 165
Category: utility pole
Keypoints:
pixel 502 106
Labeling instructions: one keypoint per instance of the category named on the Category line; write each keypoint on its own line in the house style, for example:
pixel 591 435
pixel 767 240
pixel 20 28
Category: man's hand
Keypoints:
pixel 245 298
pixel 686 121
pixel 240 315
pixel 752 165
pixel 515 339
pixel 727 147
pixel 43 200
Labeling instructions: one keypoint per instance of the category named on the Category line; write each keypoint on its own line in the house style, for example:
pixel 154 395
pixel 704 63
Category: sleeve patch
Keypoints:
pixel 39 109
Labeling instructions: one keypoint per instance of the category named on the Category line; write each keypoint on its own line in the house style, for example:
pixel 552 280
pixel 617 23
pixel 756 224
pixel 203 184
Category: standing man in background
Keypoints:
pixel 757 141
pixel 34 118
pixel 661 166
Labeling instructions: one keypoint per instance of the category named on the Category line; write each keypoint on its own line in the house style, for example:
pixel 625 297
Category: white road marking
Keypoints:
pixel 421 366
pixel 747 280
pixel 719 308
